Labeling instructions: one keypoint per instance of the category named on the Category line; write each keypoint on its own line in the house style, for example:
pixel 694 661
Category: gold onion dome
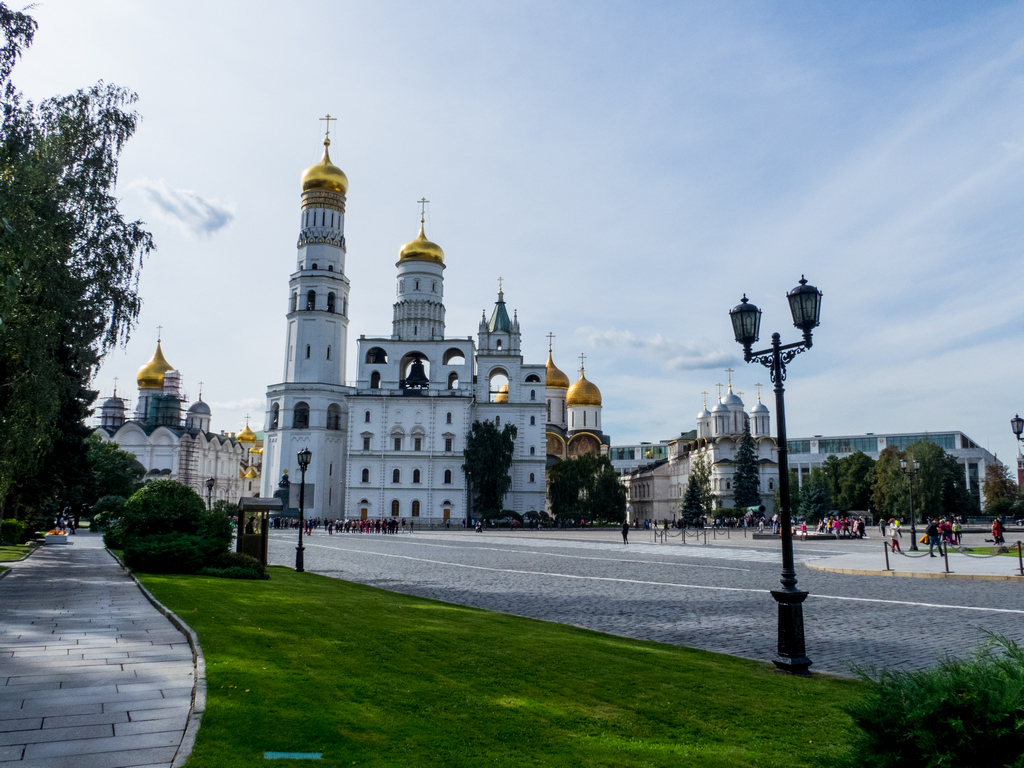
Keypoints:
pixel 555 378
pixel 502 396
pixel 421 248
pixel 247 435
pixel 325 175
pixel 583 392
pixel 151 375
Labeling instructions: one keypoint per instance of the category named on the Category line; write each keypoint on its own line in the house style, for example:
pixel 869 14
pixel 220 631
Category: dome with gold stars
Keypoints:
pixel 422 249
pixel 555 378
pixel 151 375
pixel 325 175
pixel 583 392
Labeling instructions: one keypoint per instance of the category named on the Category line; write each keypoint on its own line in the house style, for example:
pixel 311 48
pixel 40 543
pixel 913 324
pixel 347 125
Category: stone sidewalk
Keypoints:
pixel 92 675
pixel 919 565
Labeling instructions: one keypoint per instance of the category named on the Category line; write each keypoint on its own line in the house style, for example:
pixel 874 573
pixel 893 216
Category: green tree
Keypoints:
pixel 112 472
pixel 68 276
pixel 957 501
pixel 587 487
pixel 745 478
pixel 698 499
pixel 929 481
pixel 794 493
pixel 833 469
pixel 854 483
pixel 488 457
pixel 998 488
pixel 815 500
pixel 889 488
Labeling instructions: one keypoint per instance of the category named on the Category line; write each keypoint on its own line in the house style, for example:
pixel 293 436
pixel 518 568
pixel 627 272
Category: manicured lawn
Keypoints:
pixel 7 554
pixel 303 663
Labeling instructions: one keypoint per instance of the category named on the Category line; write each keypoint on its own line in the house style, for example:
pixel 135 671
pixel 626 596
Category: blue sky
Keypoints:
pixel 630 173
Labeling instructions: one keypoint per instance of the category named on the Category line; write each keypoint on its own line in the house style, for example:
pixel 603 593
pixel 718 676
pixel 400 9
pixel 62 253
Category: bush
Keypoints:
pixel 235 565
pixel 165 528
pixel 960 713
pixel 12 531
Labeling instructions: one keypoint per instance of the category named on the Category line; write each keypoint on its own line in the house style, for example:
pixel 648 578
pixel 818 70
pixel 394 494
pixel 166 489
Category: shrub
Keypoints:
pixel 12 531
pixel 165 528
pixel 235 565
pixel 960 713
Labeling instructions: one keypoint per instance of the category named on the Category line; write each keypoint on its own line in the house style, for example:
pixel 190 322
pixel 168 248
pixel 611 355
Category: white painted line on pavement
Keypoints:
pixel 667 584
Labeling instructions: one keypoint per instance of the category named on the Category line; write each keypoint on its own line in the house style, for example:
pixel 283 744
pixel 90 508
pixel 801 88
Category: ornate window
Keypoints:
pixel 366 475
pixel 394 508
pixel 375 380
pixel 366 443
pixel 396 476
pixel 448 477
pixel 300 419
pixel 415 475
pixel 415 509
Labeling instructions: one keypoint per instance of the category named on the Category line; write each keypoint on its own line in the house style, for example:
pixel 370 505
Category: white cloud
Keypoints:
pixel 673 355
pixel 184 208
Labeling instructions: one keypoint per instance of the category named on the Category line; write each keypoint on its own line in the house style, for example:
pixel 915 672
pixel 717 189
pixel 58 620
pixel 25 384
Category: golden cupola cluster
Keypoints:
pixel 555 378
pixel 151 375
pixel 325 175
pixel 583 392
pixel 422 249
pixel 247 435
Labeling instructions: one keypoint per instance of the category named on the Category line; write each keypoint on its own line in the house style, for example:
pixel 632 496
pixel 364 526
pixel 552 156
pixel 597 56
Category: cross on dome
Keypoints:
pixel 328 119
pixel 423 209
pixel 550 337
pixel 705 393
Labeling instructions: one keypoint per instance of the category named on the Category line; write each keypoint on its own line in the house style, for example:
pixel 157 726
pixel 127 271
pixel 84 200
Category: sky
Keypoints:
pixel 629 169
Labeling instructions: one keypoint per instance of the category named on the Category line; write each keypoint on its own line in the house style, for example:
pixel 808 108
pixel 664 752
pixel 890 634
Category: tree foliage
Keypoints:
pixel 746 477
pixel 997 486
pixel 698 500
pixel 488 456
pixel 112 472
pixel 587 487
pixel 815 497
pixel 68 275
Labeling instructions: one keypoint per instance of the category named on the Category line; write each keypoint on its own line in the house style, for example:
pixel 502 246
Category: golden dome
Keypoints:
pixel 421 248
pixel 247 435
pixel 151 375
pixel 583 392
pixel 502 396
pixel 325 175
pixel 555 378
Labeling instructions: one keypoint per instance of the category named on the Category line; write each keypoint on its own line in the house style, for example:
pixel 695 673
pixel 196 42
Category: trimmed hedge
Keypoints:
pixel 12 531
pixel 235 565
pixel 960 714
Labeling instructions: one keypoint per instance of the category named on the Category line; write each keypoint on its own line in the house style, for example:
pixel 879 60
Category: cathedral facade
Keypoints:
pixel 391 445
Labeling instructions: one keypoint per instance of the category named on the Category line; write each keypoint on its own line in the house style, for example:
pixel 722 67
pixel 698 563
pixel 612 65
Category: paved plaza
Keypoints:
pixel 91 674
pixel 713 597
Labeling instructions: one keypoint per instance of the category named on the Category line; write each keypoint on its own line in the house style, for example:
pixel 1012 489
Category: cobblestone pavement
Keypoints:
pixel 713 597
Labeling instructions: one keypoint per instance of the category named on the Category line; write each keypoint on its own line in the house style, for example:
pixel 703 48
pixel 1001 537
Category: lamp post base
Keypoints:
pixel 299 550
pixel 792 653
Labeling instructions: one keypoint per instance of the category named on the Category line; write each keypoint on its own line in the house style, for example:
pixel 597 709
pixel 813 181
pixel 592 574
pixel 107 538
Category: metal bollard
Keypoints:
pixel 885 545
pixel 945 555
pixel 1020 559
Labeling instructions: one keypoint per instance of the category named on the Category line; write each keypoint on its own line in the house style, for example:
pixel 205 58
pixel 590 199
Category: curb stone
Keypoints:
pixel 195 714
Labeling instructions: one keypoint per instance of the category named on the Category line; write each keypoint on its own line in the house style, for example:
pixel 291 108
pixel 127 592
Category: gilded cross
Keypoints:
pixel 329 119
pixel 758 392
pixel 115 386
pixel 423 208
pixel 705 399
pixel 159 333
pixel 200 390
pixel 719 390
pixel 730 371
pixel 550 337
pixel 582 358
pixel 499 284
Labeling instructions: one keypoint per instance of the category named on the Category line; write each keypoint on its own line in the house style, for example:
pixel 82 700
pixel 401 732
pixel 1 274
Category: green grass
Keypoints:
pixel 992 550
pixel 9 554
pixel 303 663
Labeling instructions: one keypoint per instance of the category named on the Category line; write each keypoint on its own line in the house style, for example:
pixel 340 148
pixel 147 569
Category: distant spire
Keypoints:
pixel 758 392
pixel 719 385
pixel 730 372
pixel 582 358
pixel 550 337
pixel 705 399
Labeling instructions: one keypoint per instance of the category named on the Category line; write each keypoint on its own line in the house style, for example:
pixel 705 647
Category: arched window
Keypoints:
pixel 275 416
pixel 584 418
pixel 396 476
pixel 497 421
pixel 375 380
pixel 311 300
pixel 417 285
pixel 532 480
pixel 328 351
pixel 300 419
pixel 415 509
pixel 771 485
pixel 448 477
pixel 330 302
pixel 295 302
pixel 448 419
pixel 533 450
pixel 366 475
pixel 307 351
pixel 314 265
pixel 549 410
pixel 334 416
pixel 330 267
pixel 394 508
pixel 499 343
pixel 453 380
pixel 533 394
pixel 366 417
pixel 533 421
pixel 415 475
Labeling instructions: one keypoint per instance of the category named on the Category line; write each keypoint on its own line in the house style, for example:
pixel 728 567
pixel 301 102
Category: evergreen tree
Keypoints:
pixel 698 499
pixel 488 456
pixel 745 478
pixel 587 487
pixel 815 501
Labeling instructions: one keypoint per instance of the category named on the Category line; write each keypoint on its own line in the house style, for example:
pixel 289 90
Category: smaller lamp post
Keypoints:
pixel 1017 425
pixel 304 456
pixel 910 472
pixel 209 492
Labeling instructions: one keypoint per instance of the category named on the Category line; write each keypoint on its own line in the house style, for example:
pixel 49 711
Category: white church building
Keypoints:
pixel 391 445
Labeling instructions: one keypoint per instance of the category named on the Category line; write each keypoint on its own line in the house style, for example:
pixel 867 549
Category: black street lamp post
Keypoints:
pixel 209 492
pixel 910 473
pixel 304 456
pixel 805 306
pixel 1017 425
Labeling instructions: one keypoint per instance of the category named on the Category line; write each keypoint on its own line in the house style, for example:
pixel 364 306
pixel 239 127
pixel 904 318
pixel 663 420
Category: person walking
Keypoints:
pixel 894 530
pixel 933 537
pixel 625 532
